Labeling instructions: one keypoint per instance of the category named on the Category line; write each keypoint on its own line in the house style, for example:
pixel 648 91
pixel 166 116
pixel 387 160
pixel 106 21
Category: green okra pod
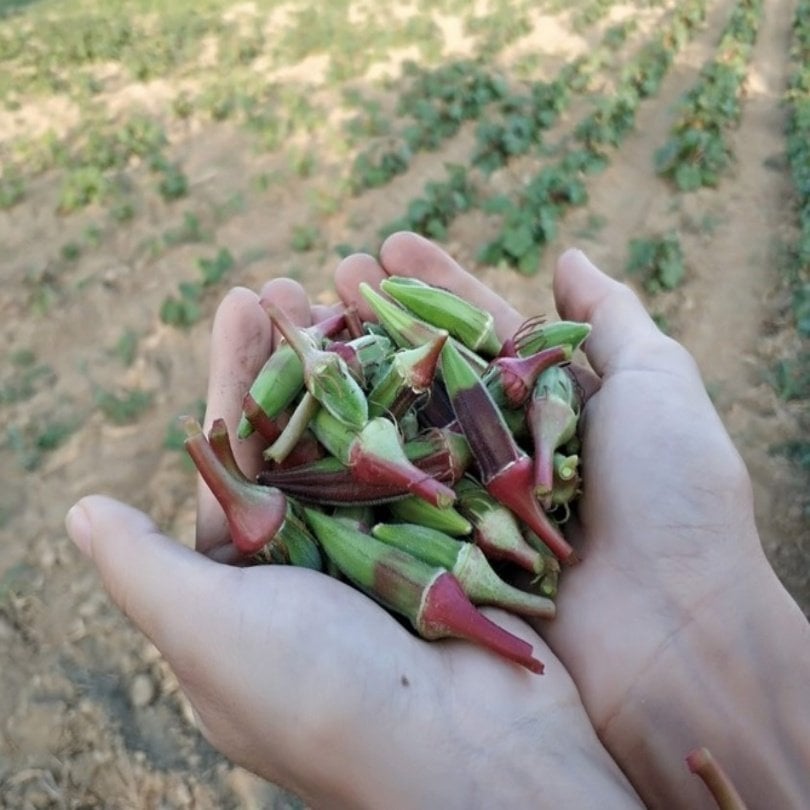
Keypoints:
pixel 409 374
pixel 468 565
pixel 552 414
pixel 416 510
pixel 495 529
pixel 470 324
pixel 326 375
pixel 427 595
pixel 535 335
pixel 407 331
pixel 279 382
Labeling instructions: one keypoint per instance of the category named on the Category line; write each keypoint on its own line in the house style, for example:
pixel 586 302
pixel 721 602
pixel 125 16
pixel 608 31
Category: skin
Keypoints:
pixel 664 639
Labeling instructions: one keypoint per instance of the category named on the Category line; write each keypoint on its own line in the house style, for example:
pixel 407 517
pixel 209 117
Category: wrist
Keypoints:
pixel 733 679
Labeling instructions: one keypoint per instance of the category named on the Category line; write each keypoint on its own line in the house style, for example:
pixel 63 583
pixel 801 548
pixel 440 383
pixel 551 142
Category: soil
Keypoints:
pixel 90 716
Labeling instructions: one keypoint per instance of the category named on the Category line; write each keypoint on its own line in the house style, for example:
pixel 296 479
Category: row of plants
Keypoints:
pixel 436 103
pixel 523 117
pixel 95 162
pixel 792 374
pixel 439 100
pixel 698 150
pixel 60 52
pixel 498 141
pixel 529 219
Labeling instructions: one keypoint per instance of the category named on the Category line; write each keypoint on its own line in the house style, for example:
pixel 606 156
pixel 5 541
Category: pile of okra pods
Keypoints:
pixel 419 458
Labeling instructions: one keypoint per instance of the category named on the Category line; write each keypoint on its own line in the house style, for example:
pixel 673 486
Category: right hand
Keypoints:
pixel 664 624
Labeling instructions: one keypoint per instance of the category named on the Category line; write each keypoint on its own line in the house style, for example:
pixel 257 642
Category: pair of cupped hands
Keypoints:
pixel 311 685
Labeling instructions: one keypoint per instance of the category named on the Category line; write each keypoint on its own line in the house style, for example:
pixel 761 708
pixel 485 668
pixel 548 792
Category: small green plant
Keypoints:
pixel 182 310
pixel 27 378
pixel 214 270
pixel 125 407
pixel 81 187
pixel 126 348
pixel 12 188
pixel 30 445
pixel 71 251
pixel 304 238
pixel 790 377
pixel 657 261
pixel 173 183
pixel 189 231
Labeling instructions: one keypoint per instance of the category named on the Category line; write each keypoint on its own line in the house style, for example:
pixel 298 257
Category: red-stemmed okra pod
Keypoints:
pixel 428 596
pixel 467 563
pixel 408 376
pixel 535 335
pixel 505 470
pixel 291 543
pixel 442 455
pixel 552 414
pixel 408 331
pixel 470 324
pixel 496 531
pixel 436 410
pixel 510 380
pixel 414 510
pixel 279 382
pixel 255 513
pixel 701 762
pixel 326 375
pixel 374 454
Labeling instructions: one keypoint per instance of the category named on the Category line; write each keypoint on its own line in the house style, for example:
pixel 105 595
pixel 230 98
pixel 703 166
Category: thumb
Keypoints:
pixel 624 335
pixel 149 576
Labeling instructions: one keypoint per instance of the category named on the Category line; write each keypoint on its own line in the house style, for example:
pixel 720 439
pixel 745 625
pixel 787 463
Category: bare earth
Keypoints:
pixel 90 716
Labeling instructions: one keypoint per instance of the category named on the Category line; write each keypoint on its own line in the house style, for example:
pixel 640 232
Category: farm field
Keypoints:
pixel 154 154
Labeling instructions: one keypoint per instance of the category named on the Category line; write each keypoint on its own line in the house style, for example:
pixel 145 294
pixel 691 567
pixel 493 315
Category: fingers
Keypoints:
pixel 350 273
pixel 153 580
pixel 241 341
pixel 291 297
pixel 624 335
pixel 407 254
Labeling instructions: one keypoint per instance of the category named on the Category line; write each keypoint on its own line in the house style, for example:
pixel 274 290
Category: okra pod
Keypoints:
pixel 254 512
pixel 506 471
pixel 470 324
pixel 374 454
pixel 467 563
pixel 279 382
pixel 326 375
pixel 428 596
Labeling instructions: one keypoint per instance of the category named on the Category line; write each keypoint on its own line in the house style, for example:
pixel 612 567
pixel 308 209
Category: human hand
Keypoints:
pixel 670 622
pixel 308 683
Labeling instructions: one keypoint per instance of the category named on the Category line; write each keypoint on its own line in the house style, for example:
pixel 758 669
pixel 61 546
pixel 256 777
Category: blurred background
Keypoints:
pixel 154 154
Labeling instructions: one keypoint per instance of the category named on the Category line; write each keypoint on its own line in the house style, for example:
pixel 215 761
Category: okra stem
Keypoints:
pixel 294 430
pixel 701 762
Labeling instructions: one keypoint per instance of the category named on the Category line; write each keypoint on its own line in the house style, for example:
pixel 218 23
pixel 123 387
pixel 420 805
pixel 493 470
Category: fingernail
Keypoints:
pixel 79 529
